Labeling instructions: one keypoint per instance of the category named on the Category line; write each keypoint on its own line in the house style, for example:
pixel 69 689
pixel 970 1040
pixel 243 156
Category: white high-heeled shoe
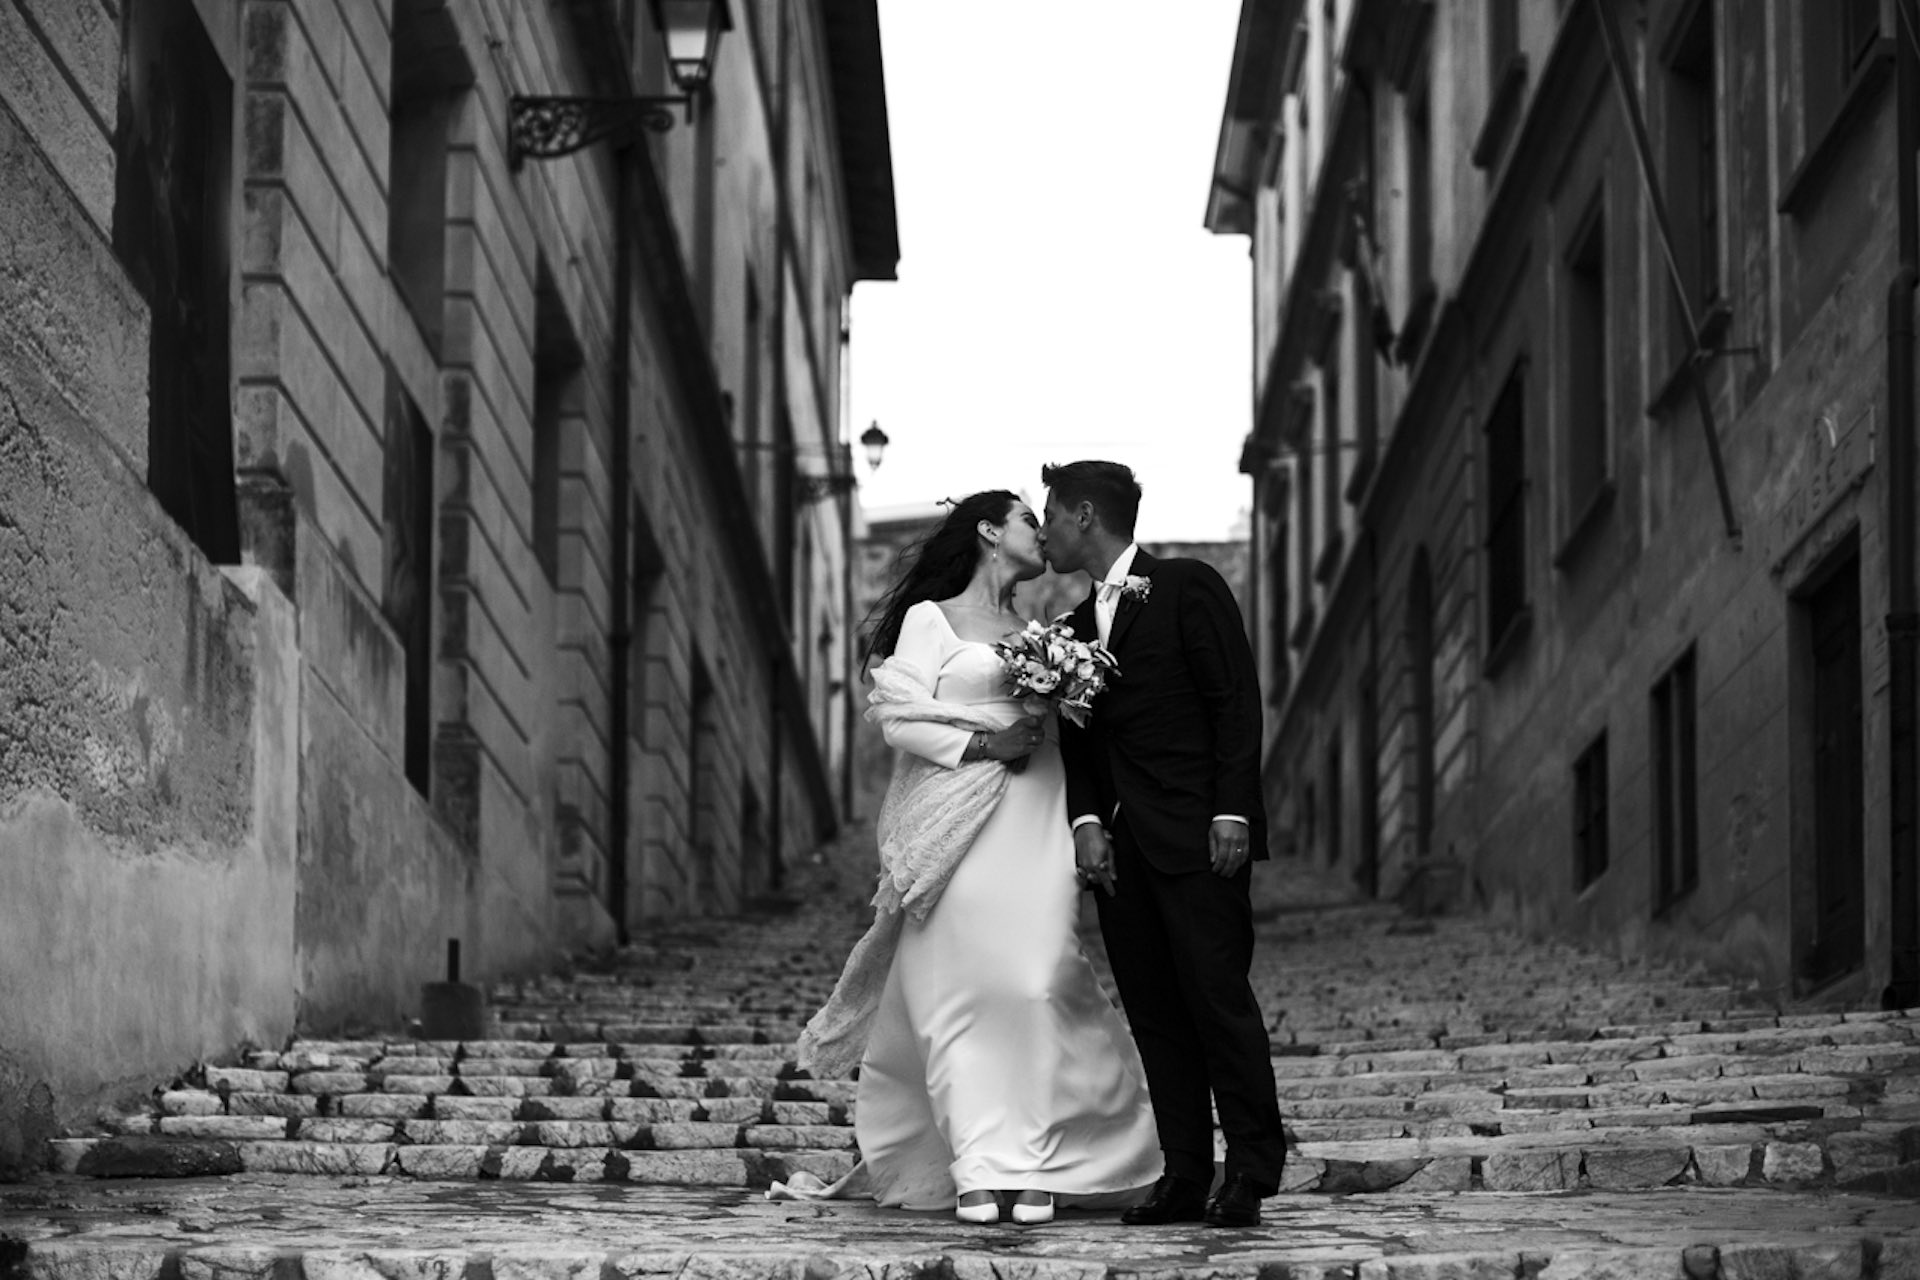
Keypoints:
pixel 1032 1215
pixel 984 1214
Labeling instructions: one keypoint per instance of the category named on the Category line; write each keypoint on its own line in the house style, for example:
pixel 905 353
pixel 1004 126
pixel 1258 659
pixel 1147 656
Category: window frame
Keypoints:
pixel 1831 100
pixel 1506 509
pixel 1586 400
pixel 1592 853
pixel 1673 712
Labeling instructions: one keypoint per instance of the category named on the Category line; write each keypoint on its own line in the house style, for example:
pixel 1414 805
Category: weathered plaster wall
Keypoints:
pixel 145 763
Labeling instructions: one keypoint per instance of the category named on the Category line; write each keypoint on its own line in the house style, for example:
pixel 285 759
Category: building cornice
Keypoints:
pixel 1253 101
pixel 857 74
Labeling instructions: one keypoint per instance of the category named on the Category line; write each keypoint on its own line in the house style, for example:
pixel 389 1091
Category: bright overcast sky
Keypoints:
pixel 1058 296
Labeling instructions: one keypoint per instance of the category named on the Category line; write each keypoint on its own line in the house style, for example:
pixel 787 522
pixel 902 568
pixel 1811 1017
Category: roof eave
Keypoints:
pixel 858 73
pixel 1253 95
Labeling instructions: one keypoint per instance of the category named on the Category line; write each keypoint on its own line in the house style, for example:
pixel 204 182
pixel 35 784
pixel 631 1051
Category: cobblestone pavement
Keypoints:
pixel 1461 1102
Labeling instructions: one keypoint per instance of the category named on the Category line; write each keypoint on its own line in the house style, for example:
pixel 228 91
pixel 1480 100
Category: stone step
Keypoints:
pixel 1782 1157
pixel 638 1099
pixel 701 1161
pixel 1791 1155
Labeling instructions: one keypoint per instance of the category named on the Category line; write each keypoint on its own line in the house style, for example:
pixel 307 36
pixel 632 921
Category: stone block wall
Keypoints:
pixel 1625 574
pixel 237 798
pixel 147 702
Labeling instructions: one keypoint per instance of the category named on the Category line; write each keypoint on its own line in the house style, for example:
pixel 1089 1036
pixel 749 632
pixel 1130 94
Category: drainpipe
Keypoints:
pixel 1903 988
pixel 620 641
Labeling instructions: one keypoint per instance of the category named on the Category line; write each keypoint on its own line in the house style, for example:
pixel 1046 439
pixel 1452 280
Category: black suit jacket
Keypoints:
pixel 1175 738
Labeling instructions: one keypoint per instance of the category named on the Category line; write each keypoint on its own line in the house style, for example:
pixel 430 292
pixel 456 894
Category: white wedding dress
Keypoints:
pixel 995 1061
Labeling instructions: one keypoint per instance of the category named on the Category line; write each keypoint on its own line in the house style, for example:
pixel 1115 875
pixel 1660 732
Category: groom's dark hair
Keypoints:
pixel 1109 486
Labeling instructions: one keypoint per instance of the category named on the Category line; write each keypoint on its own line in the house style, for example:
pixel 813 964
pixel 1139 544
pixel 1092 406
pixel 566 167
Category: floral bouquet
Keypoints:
pixel 1048 662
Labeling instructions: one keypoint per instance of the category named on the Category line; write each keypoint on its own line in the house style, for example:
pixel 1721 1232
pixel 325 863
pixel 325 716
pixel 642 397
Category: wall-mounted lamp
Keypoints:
pixel 819 488
pixel 874 441
pixel 546 127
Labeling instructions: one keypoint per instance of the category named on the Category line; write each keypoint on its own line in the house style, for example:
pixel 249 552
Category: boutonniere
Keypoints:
pixel 1136 587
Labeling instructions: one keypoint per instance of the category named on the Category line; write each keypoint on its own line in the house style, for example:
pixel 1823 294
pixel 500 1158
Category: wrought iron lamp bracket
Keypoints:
pixel 820 488
pixel 543 128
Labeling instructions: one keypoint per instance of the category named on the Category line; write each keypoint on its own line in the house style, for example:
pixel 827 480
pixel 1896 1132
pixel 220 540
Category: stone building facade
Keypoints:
pixel 405 538
pixel 1583 535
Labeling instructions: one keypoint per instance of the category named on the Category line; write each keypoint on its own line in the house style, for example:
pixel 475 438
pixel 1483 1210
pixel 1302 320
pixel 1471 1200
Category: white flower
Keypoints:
pixel 1136 587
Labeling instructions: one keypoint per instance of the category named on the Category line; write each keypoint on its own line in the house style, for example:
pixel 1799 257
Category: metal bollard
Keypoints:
pixel 452 1010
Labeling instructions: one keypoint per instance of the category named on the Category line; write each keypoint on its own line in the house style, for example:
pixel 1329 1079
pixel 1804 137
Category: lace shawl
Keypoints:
pixel 927 823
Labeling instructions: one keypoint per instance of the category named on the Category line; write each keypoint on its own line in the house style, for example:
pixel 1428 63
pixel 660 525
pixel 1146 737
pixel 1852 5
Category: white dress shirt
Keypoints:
pixel 1106 594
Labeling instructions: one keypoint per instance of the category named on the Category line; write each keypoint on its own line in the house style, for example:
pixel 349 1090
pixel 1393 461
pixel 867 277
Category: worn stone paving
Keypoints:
pixel 1461 1101
pixel 227 1229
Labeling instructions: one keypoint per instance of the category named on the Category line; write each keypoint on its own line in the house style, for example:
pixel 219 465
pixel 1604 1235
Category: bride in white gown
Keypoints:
pixel 994 1067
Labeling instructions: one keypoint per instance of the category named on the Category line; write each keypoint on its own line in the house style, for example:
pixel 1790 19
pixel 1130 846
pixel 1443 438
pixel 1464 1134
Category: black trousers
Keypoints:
pixel 1181 947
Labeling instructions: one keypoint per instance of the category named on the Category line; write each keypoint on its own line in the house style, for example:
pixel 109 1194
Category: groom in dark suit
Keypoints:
pixel 1163 787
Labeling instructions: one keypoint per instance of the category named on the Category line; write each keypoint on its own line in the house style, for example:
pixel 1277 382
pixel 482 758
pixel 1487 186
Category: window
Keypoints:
pixel 406 596
pixel 556 418
pixel 748 425
pixel 1676 832
pixel 1374 337
pixel 1838 38
pixel 1329 54
pixel 172 231
pixel 1693 171
pixel 429 76
pixel 1279 602
pixel 1587 446
pixel 786 481
pixel 1420 291
pixel 1335 802
pixel 1590 813
pixel 1506 78
pixel 706 175
pixel 704 891
pixel 1304 530
pixel 1503 36
pixel 1331 431
pixel 1506 536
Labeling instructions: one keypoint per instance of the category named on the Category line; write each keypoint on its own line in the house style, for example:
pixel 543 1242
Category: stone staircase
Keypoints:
pixel 1461 1102
pixel 1408 1060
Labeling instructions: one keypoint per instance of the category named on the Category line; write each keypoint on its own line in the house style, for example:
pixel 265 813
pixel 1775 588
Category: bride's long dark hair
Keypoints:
pixel 937 567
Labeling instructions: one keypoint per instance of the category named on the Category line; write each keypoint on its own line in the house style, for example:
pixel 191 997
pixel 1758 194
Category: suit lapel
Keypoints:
pixel 1129 607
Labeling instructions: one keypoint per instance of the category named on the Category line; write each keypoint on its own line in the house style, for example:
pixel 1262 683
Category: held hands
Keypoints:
pixel 1093 858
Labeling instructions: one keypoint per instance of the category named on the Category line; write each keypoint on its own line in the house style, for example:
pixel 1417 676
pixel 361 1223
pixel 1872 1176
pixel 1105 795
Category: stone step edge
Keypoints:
pixel 689 1035
pixel 1856 1254
pixel 736 1167
pixel 1785 1165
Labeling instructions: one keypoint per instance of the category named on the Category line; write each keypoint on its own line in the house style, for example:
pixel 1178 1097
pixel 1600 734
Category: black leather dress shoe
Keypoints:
pixel 1236 1204
pixel 1171 1200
